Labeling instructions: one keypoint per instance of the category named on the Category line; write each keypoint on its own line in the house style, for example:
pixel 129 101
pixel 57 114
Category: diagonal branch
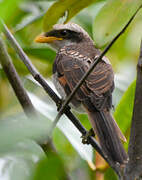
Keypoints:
pixel 134 166
pixel 54 96
pixel 68 99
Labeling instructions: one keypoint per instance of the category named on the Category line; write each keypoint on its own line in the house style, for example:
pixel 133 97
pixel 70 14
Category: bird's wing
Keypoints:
pixel 70 71
pixel 101 79
pixel 97 86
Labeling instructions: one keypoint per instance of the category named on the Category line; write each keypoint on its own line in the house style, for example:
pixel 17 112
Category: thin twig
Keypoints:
pixel 54 96
pixel 96 61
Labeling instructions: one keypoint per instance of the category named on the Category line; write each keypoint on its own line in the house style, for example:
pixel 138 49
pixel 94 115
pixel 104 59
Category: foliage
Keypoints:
pixel 45 168
pixel 20 155
pixel 120 12
pixel 62 7
pixel 124 110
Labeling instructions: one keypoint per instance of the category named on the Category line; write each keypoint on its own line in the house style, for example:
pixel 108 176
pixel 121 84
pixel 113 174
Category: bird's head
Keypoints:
pixel 63 35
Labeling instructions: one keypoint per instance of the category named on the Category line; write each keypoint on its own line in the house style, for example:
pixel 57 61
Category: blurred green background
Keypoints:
pixel 21 158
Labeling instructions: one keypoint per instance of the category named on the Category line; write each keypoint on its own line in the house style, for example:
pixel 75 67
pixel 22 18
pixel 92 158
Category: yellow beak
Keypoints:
pixel 44 39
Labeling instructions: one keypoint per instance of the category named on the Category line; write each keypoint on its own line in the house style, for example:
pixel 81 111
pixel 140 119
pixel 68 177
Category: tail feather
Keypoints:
pixel 108 134
pixel 118 131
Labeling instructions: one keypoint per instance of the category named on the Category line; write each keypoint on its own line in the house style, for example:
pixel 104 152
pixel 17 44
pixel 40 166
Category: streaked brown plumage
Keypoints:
pixel 75 54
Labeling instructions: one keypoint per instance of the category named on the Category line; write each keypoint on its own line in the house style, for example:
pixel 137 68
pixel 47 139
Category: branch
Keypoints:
pixel 134 166
pixel 15 80
pixel 96 61
pixel 54 96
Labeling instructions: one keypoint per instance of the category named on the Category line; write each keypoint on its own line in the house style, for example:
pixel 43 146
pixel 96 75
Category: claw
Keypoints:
pixel 85 137
pixel 59 104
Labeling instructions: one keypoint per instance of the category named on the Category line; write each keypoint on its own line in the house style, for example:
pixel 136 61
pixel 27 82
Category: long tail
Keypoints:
pixel 108 133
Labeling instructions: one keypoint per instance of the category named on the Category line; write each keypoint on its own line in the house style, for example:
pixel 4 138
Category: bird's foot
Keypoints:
pixel 85 137
pixel 60 104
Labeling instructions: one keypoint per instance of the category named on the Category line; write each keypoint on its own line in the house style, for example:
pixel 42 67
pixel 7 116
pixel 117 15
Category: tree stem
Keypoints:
pixel 134 166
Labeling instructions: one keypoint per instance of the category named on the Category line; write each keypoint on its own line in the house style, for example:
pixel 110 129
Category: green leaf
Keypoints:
pixel 59 8
pixel 8 8
pixel 124 110
pixel 19 162
pixel 78 6
pixel 36 11
pixel 17 128
pixel 51 167
pixel 27 21
pixel 110 174
pixel 112 18
pixel 46 54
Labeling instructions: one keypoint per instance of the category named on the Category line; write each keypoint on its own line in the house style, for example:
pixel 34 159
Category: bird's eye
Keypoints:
pixel 64 32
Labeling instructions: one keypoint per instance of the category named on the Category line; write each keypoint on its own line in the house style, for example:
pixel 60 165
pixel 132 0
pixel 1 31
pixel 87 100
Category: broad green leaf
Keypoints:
pixel 46 54
pixel 59 8
pixel 27 21
pixel 51 168
pixel 8 8
pixel 77 6
pixel 20 161
pixel 124 110
pixel 110 175
pixel 17 128
pixel 35 13
pixel 125 76
pixel 112 18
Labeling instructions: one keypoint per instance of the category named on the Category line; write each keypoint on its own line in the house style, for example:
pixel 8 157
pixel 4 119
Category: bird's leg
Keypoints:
pixel 85 137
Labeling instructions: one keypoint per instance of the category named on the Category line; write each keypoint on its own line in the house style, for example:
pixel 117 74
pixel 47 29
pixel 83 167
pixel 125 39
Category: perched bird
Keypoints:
pixel 75 53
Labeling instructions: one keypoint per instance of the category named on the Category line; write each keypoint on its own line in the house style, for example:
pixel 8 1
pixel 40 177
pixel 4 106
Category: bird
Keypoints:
pixel 76 52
